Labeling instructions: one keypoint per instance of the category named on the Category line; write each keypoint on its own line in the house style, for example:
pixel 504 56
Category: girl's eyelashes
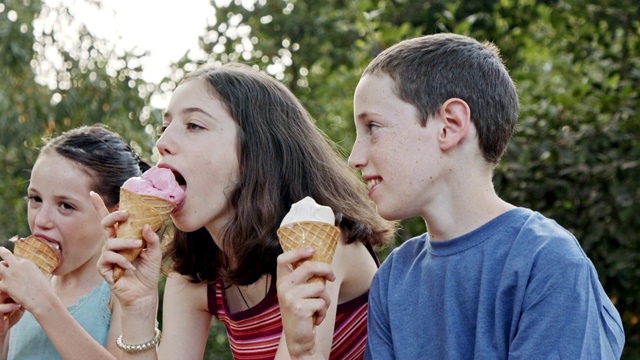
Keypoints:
pixel 190 125
pixel 33 199
pixel 67 206
pixel 193 126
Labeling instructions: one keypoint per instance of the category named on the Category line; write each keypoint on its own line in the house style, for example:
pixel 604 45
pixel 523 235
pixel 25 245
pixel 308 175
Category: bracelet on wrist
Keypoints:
pixel 139 347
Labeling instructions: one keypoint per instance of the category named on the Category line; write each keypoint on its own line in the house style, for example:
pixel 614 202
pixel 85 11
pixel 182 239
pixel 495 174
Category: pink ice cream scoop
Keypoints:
pixel 158 182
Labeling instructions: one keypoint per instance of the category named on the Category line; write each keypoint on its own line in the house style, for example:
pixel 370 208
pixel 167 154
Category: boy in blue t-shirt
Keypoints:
pixel 489 280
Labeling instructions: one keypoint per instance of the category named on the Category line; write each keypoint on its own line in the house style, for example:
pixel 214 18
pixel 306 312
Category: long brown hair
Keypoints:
pixel 283 157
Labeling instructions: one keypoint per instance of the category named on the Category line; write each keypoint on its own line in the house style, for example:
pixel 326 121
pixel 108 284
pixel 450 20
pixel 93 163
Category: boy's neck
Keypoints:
pixel 462 206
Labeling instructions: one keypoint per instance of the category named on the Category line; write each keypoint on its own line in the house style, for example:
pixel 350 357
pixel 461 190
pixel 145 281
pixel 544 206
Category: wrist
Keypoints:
pixel 45 305
pixel 141 309
pixel 140 305
pixel 147 345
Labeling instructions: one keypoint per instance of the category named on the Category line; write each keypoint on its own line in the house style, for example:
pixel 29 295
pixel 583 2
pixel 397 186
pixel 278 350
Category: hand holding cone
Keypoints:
pixel 310 224
pixel 143 209
pixel 323 237
pixel 150 199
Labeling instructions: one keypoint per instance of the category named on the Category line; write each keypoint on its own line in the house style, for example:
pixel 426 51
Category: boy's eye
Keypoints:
pixel 372 126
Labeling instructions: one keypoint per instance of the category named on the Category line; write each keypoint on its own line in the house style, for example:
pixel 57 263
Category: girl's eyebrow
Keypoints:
pixel 186 111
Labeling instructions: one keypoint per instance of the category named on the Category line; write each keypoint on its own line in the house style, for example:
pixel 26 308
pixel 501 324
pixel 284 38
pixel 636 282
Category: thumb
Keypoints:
pixel 150 237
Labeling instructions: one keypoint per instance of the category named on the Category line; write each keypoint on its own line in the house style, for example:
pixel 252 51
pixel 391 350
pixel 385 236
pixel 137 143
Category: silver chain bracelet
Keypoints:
pixel 139 347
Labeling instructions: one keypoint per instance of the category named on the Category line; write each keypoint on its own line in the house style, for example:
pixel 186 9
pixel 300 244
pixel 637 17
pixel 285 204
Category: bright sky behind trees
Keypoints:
pixel 166 28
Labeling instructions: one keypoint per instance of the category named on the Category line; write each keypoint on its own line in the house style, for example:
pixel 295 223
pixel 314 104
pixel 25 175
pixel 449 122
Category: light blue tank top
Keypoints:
pixel 27 340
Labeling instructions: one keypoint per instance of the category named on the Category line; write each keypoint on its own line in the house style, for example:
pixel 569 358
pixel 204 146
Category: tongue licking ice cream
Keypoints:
pixel 310 224
pixel 150 199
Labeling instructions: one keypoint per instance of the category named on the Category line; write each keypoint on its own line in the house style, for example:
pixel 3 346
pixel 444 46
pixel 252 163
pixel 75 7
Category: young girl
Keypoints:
pixel 245 150
pixel 67 315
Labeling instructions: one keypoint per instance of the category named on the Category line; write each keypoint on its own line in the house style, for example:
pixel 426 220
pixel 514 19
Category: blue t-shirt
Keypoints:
pixel 27 340
pixel 518 287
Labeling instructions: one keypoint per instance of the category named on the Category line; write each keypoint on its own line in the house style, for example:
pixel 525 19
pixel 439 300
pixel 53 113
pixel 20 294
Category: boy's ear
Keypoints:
pixel 455 116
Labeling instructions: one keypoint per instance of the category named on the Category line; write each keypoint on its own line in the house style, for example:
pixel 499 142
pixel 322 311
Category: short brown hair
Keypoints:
pixel 431 69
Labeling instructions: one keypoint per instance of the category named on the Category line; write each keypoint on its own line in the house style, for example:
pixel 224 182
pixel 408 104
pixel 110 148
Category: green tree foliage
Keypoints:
pixel 575 155
pixel 55 77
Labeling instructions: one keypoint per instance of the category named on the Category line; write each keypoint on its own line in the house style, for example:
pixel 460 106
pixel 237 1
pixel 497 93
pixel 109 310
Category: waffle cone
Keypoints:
pixel 143 209
pixel 36 251
pixel 323 237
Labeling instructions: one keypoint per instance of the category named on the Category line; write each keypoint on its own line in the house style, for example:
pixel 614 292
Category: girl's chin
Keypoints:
pixel 182 225
pixel 178 208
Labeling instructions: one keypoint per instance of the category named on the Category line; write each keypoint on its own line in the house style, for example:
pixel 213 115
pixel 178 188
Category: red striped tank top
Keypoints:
pixel 254 334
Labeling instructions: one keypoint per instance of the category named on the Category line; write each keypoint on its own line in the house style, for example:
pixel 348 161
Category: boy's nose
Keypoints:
pixel 357 158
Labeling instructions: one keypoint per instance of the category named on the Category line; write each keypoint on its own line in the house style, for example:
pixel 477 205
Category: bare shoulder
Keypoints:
pixel 354 267
pixel 180 288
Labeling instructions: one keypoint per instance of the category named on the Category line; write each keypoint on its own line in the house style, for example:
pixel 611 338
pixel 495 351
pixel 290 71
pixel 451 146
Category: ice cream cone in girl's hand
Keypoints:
pixel 310 224
pixel 39 251
pixel 149 199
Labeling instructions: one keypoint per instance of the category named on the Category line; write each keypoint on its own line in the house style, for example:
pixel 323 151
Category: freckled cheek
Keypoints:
pixel 388 155
pixel 398 152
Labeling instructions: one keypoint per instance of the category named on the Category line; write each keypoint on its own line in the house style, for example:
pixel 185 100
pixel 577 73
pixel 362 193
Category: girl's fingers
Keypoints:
pixel 286 260
pixel 11 313
pixel 111 220
pixel 150 237
pixel 320 311
pixel 110 256
pixel 292 260
pixel 296 255
pixel 8 309
pixel 117 244
pixel 98 204
pixel 108 261
pixel 5 254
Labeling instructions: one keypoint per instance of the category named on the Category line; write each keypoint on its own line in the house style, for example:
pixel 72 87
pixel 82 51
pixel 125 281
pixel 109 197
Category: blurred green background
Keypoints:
pixel 575 156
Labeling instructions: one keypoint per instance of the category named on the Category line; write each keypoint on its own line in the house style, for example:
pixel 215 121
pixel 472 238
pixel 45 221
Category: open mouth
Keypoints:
pixel 180 179
pixel 183 185
pixel 54 244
